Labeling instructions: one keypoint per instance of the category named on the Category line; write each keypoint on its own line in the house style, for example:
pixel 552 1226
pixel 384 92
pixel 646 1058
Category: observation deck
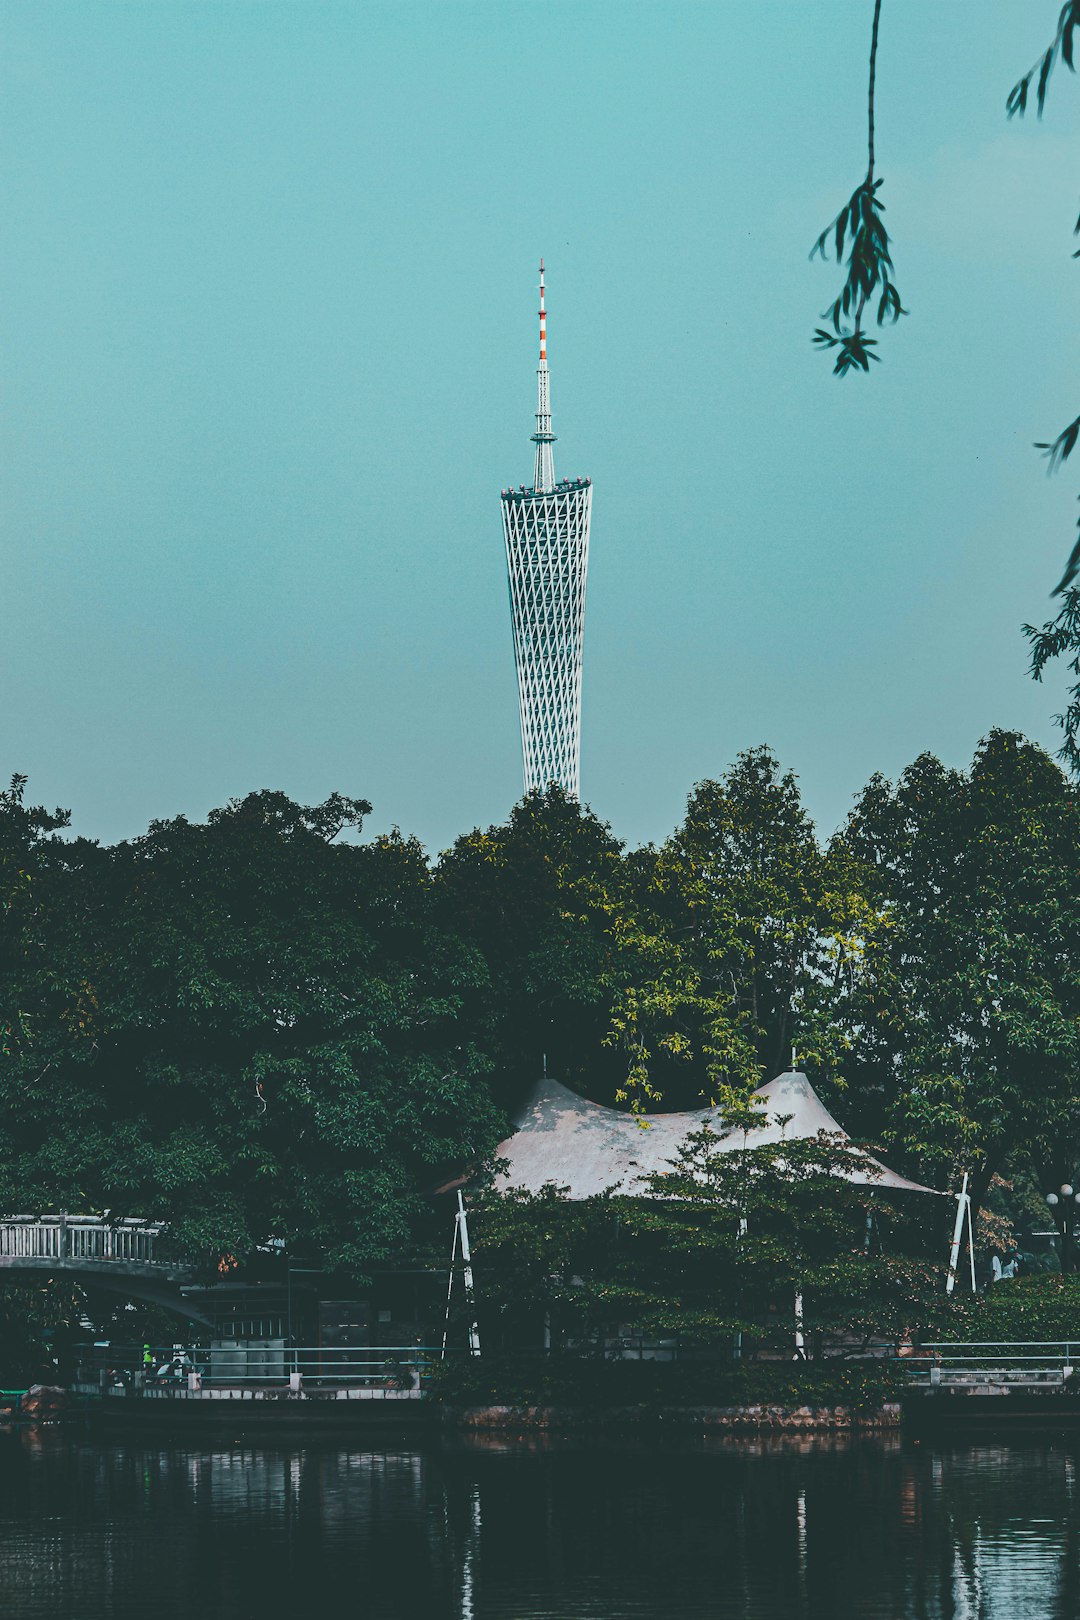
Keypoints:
pixel 529 492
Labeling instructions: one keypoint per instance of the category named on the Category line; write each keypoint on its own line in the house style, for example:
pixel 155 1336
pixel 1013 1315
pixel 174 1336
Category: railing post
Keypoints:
pixel 62 1242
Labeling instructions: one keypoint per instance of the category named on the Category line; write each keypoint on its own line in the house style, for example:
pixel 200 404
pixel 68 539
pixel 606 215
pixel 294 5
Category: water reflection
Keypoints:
pixel 494 1530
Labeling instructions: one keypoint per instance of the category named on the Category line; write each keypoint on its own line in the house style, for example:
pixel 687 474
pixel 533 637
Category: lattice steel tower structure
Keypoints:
pixel 547 556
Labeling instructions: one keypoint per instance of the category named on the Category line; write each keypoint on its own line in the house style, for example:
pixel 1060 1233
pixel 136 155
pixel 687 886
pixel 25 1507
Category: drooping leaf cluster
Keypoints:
pixel 869 274
pixel 869 278
pixel 869 269
pixel 1059 636
pixel 1060 48
pixel 1057 452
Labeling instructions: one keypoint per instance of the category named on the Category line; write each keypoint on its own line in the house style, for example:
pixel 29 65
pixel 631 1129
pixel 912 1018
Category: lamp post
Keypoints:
pixel 1063 1205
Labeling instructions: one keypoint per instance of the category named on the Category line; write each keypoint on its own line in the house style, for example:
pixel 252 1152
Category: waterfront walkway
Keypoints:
pixel 265 1370
pixel 996 1367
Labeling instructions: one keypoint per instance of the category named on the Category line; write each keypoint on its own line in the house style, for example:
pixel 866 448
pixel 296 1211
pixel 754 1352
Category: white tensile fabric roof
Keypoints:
pixel 578 1144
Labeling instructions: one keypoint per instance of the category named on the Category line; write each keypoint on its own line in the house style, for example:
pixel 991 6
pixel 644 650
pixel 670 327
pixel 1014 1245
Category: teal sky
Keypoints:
pixel 268 356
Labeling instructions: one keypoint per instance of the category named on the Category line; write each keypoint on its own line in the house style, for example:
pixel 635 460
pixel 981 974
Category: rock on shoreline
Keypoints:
pixel 43 1401
pixel 758 1419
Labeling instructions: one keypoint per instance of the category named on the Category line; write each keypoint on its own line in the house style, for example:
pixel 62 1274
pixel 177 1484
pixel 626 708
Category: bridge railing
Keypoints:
pixel 78 1237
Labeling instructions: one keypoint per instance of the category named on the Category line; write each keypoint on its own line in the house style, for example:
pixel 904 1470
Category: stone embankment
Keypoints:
pixel 761 1419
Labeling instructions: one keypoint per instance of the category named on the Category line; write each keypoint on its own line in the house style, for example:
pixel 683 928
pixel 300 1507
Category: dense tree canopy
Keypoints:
pixel 245 1026
pixel 719 1250
pixel 262 1026
pixel 962 1006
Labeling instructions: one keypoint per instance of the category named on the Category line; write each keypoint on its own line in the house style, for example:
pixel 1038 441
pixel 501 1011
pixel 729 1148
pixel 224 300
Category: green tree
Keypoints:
pixel 29 850
pixel 276 1038
pixel 661 975
pixel 752 914
pixel 537 897
pixel 38 1322
pixel 719 1250
pixel 962 1006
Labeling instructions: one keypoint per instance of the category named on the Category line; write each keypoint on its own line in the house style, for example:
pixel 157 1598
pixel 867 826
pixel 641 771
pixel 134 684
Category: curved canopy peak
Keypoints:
pixel 566 1140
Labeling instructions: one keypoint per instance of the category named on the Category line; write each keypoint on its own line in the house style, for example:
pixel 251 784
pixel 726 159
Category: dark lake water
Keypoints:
pixel 971 1530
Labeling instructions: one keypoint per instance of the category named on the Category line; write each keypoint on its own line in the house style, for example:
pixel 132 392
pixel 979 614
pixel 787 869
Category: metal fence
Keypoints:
pixel 78 1237
pixel 995 1362
pixel 266 1365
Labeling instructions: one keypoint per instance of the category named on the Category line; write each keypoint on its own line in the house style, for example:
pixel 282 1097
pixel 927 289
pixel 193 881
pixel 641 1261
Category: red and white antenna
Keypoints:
pixel 543 319
pixel 543 438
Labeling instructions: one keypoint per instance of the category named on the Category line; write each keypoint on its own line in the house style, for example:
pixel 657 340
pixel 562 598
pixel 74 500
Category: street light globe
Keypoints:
pixel 1066 1191
pixel 1051 1199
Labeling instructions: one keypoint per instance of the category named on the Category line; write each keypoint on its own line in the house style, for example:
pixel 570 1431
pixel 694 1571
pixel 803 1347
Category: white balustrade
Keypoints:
pixel 78 1237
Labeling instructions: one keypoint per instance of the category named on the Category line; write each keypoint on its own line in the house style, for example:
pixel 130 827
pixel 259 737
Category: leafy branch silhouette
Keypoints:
pixel 1060 635
pixel 1061 46
pixel 869 262
pixel 1057 451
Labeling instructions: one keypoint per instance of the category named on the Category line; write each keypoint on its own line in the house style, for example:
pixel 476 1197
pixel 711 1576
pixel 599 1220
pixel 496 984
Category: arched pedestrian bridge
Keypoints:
pixel 121 1256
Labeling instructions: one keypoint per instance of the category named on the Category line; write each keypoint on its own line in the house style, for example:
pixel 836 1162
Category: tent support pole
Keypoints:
pixel 466 1260
pixel 736 1349
pixel 449 1288
pixel 958 1232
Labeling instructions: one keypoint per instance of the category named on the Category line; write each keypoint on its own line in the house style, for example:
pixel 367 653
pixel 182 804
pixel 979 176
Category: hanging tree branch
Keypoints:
pixel 1060 636
pixel 1057 452
pixel 869 263
pixel 1060 46
pixel 1055 639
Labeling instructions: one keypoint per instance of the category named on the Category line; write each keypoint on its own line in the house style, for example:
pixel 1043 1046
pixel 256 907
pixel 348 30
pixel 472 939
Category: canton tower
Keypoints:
pixel 546 528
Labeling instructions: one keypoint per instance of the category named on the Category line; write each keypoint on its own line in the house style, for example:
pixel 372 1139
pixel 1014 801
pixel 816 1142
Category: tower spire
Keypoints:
pixel 543 438
pixel 546 529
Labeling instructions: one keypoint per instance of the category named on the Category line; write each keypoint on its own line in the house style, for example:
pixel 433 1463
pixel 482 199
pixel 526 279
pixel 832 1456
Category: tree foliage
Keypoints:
pixel 869 269
pixel 664 974
pixel 717 1250
pixel 1059 636
pixel 1059 49
pixel 963 1012
pixel 869 277
pixel 248 1027
pixel 263 1027
pixel 745 900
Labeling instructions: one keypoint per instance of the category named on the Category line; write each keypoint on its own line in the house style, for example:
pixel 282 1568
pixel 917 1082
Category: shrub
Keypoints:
pixel 593 1383
pixel 1033 1308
